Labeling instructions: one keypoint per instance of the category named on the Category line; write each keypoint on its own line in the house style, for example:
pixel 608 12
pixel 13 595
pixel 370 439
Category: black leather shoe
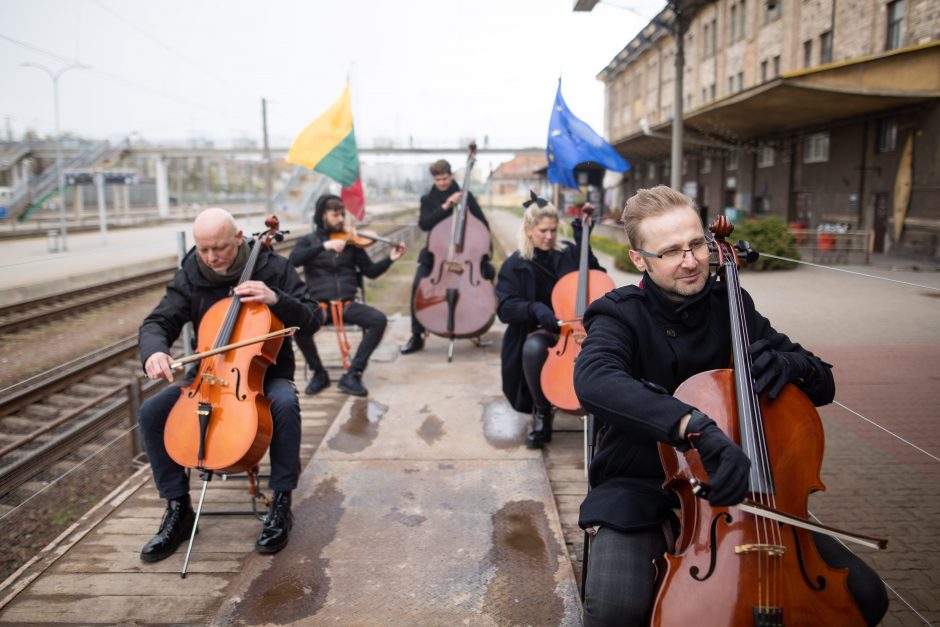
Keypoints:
pixel 277 525
pixel 320 381
pixel 351 383
pixel 413 345
pixel 541 433
pixel 176 526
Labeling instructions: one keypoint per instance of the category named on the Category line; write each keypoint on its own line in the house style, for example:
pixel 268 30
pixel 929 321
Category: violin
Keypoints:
pixel 363 239
pixel 454 300
pixel 222 421
pixel 570 298
pixel 756 562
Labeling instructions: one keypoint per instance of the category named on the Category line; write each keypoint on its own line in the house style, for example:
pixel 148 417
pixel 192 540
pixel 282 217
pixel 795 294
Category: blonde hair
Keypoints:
pixel 533 215
pixel 647 203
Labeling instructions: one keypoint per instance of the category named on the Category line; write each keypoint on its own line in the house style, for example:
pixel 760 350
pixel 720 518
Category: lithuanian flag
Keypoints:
pixel 328 146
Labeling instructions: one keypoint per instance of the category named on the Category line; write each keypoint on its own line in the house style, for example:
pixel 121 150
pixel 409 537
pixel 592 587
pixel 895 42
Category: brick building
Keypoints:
pixel 816 111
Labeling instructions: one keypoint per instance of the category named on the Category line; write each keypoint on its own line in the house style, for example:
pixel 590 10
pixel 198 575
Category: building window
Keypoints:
pixel 772 10
pixel 742 15
pixel 706 41
pixel 807 53
pixel 740 81
pixel 667 171
pixel 763 71
pixel 733 160
pixel 711 91
pixel 825 47
pixel 816 148
pixel 714 38
pixel 887 135
pixel 765 156
pixel 706 165
pixel 704 95
pixel 777 66
pixel 734 23
pixel 730 84
pixel 651 171
pixel 685 166
pixel 895 23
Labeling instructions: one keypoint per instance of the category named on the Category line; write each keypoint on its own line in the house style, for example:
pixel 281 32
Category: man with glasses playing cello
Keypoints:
pixel 643 342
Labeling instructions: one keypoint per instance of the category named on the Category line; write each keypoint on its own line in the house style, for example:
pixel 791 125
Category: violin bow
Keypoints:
pixel 285 332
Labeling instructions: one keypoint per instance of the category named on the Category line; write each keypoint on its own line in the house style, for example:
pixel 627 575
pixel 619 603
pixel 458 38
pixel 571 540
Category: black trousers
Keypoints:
pixel 423 271
pixel 170 477
pixel 534 354
pixel 371 320
pixel 620 585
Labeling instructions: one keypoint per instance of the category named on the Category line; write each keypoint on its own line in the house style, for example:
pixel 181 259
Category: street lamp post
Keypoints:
pixel 58 140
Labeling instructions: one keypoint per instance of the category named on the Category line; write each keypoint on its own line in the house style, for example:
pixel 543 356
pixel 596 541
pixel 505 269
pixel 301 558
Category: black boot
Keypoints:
pixel 319 381
pixel 541 433
pixel 277 525
pixel 413 345
pixel 176 526
pixel 351 383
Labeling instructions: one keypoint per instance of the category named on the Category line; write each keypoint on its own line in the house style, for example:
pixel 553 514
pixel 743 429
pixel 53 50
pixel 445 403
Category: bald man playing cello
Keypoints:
pixel 209 273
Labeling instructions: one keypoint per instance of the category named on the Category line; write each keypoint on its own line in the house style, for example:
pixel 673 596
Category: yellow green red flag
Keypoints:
pixel 328 145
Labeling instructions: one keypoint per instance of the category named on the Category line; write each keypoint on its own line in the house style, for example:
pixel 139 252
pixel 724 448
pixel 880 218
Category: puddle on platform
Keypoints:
pixel 504 427
pixel 525 554
pixel 295 586
pixel 360 429
pixel 431 430
pixel 409 520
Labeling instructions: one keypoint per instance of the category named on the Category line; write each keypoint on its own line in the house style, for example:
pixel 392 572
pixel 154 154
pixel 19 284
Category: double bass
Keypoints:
pixel 455 300
pixel 570 297
pixel 756 562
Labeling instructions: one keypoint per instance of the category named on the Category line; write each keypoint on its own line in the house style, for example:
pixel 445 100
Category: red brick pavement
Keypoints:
pixel 879 485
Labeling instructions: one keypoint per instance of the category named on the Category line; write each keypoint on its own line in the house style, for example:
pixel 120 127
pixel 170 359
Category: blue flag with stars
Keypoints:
pixel 571 141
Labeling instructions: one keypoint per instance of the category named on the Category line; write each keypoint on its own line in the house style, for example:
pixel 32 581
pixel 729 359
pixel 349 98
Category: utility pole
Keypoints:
pixel 63 230
pixel 268 185
pixel 675 174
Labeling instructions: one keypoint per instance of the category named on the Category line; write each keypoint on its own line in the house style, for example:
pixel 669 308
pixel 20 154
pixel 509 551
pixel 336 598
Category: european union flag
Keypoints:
pixel 571 141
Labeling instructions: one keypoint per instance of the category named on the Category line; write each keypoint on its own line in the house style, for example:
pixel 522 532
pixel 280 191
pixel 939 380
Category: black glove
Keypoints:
pixel 774 369
pixel 727 465
pixel 546 318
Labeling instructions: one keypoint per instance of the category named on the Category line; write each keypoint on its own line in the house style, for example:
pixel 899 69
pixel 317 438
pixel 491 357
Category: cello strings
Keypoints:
pixel 888 431
pixel 862 274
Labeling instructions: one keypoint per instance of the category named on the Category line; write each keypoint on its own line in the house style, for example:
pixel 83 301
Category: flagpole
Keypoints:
pixel 268 184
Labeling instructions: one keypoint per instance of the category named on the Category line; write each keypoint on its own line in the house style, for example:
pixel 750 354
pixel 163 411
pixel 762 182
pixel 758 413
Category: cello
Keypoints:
pixel 454 300
pixel 570 297
pixel 221 422
pixel 756 562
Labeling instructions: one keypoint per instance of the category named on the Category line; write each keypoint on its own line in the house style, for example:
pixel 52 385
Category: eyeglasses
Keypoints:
pixel 698 249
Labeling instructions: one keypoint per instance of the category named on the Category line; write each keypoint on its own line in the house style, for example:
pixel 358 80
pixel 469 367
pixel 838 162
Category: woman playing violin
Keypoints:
pixel 524 292
pixel 333 271
pixel 642 343
pixel 208 274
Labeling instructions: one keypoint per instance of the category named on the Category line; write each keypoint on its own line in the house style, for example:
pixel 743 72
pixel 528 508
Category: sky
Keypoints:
pixel 431 72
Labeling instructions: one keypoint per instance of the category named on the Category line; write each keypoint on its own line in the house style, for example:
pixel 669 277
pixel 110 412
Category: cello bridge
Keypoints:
pixel 211 379
pixel 454 266
pixel 774 550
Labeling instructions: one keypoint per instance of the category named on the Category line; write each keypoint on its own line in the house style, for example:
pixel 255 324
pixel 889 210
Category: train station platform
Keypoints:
pixel 418 505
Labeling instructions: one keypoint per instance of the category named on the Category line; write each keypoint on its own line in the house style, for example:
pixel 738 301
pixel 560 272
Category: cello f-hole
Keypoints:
pixel 238 383
pixel 473 282
pixel 820 580
pixel 437 279
pixel 694 570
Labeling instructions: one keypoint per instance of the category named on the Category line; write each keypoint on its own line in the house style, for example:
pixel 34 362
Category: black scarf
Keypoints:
pixel 438 197
pixel 234 271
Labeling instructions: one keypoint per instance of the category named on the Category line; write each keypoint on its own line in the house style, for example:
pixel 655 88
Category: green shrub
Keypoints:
pixel 767 235
pixel 620 253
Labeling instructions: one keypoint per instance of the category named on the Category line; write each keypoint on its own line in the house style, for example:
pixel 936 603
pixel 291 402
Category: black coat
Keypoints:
pixel 640 346
pixel 432 213
pixel 515 293
pixel 189 295
pixel 330 276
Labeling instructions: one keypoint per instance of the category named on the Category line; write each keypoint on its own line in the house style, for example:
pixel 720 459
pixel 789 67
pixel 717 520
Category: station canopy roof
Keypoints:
pixel 803 99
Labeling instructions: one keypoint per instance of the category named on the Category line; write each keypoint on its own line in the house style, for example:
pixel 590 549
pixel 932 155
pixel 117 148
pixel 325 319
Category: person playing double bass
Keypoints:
pixel 333 271
pixel 524 293
pixel 436 206
pixel 642 343
pixel 209 273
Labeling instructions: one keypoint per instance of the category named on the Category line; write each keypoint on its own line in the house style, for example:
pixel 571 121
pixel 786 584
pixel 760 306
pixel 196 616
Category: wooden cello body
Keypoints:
pixel 455 300
pixel 752 570
pixel 570 298
pixel 222 421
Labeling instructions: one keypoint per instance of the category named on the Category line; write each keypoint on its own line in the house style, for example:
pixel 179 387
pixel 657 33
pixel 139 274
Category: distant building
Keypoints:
pixel 519 175
pixel 816 111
